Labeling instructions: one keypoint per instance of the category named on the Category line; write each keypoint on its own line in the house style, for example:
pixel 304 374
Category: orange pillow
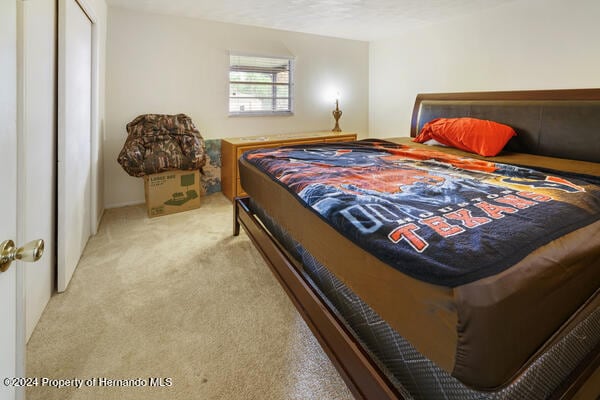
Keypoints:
pixel 486 138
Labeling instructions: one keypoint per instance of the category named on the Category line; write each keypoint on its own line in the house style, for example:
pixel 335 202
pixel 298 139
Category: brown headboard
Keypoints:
pixel 557 123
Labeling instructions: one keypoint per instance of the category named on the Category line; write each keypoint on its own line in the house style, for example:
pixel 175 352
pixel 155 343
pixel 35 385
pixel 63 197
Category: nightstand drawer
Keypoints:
pixel 341 139
pixel 242 150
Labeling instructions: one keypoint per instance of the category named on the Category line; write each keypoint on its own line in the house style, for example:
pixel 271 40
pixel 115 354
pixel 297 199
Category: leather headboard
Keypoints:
pixel 557 123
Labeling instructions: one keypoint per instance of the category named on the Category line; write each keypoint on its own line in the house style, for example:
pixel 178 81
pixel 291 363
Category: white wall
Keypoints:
pixel 100 10
pixel 37 131
pixel 166 64
pixel 532 44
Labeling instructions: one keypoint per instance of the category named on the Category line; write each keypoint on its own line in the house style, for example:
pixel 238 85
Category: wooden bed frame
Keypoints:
pixel 361 374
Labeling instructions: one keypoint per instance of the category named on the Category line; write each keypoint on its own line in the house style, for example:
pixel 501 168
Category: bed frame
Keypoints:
pixel 554 123
pixel 539 117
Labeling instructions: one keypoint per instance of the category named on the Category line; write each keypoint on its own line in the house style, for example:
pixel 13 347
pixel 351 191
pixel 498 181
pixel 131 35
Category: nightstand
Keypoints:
pixel 233 148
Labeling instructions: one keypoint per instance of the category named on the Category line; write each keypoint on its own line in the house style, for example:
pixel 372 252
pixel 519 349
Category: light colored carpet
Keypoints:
pixel 178 297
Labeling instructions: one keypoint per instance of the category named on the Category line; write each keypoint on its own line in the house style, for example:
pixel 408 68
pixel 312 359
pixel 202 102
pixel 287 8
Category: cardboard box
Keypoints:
pixel 171 192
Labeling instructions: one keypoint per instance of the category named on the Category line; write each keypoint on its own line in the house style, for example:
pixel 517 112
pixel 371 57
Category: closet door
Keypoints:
pixel 74 137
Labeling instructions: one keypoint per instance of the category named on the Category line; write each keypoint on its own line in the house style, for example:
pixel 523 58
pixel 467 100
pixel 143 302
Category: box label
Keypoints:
pixel 171 192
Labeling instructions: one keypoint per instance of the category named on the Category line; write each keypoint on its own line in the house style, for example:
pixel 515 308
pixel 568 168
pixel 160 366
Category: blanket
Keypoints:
pixel 158 142
pixel 440 218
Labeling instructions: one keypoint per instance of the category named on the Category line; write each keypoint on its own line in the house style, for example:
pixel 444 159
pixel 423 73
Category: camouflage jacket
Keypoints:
pixel 157 143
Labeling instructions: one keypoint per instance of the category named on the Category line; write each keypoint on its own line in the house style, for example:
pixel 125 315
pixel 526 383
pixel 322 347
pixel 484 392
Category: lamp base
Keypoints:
pixel 337 113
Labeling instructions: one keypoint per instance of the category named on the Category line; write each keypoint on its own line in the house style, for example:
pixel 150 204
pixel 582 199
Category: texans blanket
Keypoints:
pixel 440 218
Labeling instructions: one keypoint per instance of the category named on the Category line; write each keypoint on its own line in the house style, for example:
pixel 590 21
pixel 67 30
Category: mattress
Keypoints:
pixel 485 332
pixel 414 375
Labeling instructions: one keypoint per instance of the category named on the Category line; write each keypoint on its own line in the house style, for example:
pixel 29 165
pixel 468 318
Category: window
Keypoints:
pixel 260 85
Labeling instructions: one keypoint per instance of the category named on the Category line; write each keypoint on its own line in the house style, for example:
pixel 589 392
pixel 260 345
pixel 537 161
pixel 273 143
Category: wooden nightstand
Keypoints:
pixel 233 148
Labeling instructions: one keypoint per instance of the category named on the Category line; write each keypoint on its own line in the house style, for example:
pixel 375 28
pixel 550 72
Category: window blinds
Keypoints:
pixel 259 85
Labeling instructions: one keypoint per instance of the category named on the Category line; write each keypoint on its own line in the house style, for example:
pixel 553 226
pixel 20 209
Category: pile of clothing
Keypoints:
pixel 157 143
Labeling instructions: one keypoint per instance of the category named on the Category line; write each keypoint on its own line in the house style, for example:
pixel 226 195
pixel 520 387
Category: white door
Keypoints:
pixel 74 137
pixel 37 134
pixel 8 198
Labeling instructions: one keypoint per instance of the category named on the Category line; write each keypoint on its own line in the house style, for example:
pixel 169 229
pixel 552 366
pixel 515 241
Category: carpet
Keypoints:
pixel 180 305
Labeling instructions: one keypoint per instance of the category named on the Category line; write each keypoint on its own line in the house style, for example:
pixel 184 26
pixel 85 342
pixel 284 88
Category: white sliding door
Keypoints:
pixel 74 137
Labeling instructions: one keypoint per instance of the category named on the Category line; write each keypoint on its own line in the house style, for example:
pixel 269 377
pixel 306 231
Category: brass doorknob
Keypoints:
pixel 31 252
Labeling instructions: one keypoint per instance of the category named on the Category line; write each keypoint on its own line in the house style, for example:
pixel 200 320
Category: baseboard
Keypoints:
pixel 124 204
pixel 100 215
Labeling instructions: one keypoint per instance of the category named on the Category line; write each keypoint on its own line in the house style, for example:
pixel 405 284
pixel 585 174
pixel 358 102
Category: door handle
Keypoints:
pixel 31 252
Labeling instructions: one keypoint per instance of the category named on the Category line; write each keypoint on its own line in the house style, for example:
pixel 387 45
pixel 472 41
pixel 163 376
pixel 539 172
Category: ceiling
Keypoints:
pixel 351 19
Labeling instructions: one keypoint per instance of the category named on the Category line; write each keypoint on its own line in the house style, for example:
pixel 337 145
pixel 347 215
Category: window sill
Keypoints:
pixel 261 114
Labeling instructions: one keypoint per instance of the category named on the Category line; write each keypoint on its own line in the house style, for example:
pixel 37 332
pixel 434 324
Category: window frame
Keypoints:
pixel 264 113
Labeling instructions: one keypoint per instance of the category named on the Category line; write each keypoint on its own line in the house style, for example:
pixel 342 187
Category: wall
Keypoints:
pixel 37 138
pixel 101 13
pixel 533 44
pixel 166 64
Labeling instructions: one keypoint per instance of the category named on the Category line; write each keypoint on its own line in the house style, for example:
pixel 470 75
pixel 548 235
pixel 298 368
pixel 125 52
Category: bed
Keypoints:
pixel 526 327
